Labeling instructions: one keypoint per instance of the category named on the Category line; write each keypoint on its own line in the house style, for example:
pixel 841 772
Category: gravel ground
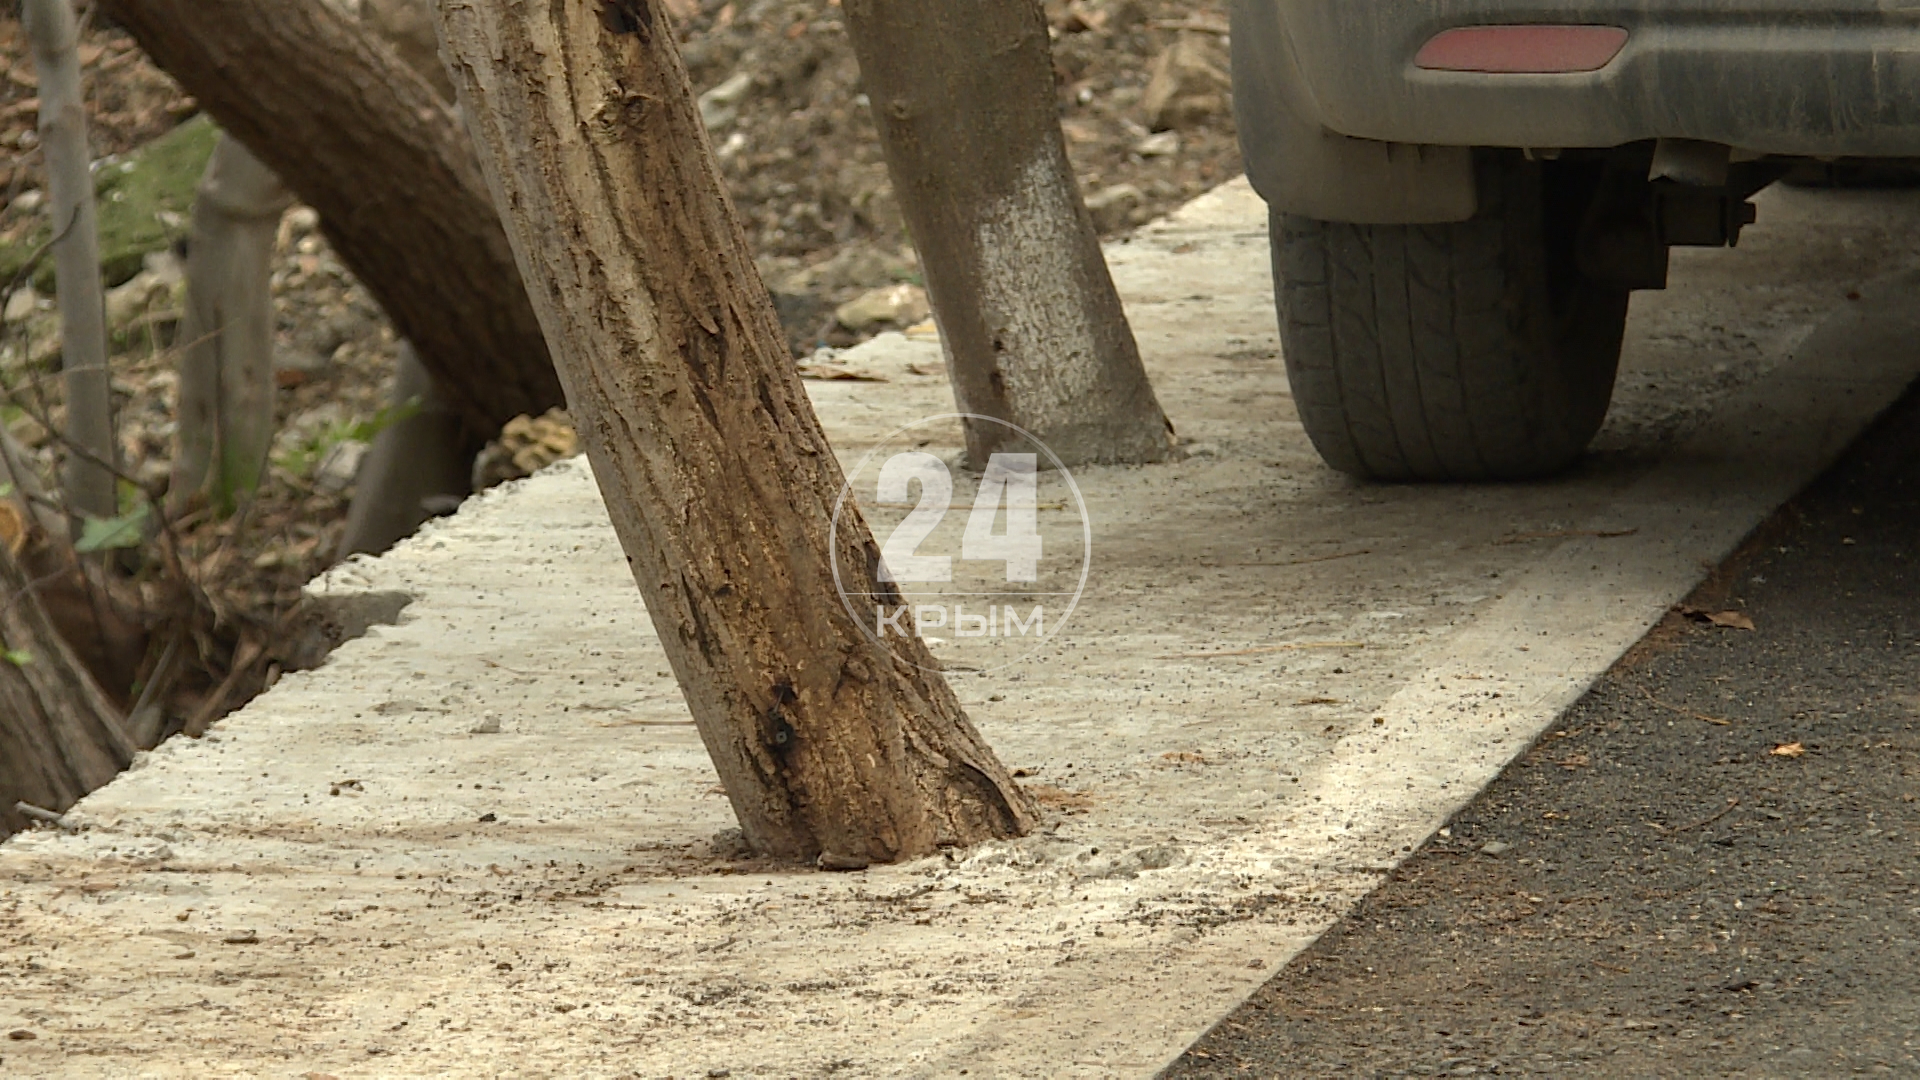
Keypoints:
pixel 1711 869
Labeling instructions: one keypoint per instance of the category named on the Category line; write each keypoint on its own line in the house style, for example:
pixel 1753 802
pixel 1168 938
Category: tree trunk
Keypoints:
pixel 964 99
pixel 226 393
pixel 416 463
pixel 59 736
pixel 91 453
pixel 715 469
pixel 365 140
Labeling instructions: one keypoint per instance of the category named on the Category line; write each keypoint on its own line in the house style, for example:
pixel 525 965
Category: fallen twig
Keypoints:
pixel 41 814
pixel 1565 534
pixel 1684 712
pixel 836 373
pixel 1723 812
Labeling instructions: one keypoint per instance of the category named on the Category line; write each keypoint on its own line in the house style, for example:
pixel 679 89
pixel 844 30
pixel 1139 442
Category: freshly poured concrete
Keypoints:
pixel 550 899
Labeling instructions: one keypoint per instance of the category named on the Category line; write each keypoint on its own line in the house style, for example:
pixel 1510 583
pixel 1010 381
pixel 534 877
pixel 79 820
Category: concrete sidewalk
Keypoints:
pixel 483 841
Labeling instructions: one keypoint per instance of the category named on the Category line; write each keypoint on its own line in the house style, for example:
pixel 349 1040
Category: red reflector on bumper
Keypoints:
pixel 1523 50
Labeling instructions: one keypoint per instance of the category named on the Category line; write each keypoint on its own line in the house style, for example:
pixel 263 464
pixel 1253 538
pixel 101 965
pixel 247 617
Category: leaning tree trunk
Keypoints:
pixel 91 454
pixel 226 390
pixel 423 460
pixel 715 470
pixel 963 95
pixel 365 140
pixel 59 736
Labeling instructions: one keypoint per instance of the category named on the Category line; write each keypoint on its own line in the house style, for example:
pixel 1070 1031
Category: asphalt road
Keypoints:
pixel 1711 868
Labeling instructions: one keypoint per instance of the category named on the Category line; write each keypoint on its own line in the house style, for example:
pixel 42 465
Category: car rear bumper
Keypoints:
pixel 1823 78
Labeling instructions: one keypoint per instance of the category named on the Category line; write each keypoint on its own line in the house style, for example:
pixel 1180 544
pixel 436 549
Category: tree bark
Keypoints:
pixel 91 452
pixel 365 140
pixel 226 392
pixel 418 460
pixel 59 735
pixel 717 475
pixel 963 96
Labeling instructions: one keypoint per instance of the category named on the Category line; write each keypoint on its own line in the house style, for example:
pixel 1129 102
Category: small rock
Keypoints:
pixel 337 470
pixel 489 724
pixel 1495 847
pixel 153 475
pixel 302 220
pixel 720 105
pixel 731 844
pixel 303 361
pixel 28 201
pixel 28 431
pixel 1159 144
pixel 856 266
pixel 241 937
pixel 143 292
pixel 21 303
pixel 900 305
pixel 1187 84
pixel 1159 857
pixel 1111 206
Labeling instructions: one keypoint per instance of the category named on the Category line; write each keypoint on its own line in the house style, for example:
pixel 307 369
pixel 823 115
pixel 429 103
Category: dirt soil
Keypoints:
pixel 781 92
pixel 800 156
pixel 1711 869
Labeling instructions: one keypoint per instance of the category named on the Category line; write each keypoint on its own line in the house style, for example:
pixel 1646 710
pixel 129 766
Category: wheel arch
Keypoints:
pixel 1299 167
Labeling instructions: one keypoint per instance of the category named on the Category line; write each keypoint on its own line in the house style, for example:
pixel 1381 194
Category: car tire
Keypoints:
pixel 1457 352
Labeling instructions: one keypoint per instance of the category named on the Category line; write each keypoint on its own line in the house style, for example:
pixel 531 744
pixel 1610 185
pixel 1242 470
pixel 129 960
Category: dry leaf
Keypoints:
pixel 1060 798
pixel 1732 620
pixel 13 527
pixel 1792 749
pixel 1577 761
